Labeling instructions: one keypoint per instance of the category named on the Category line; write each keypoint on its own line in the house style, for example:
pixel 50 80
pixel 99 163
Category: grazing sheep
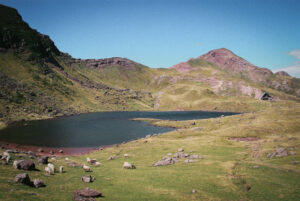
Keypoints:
pixel 126 155
pixel 52 168
pixel 86 168
pixel 97 164
pixel 88 160
pixel 48 170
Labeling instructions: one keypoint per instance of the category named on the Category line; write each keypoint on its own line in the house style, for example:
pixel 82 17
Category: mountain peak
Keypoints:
pixel 282 73
pixel 227 60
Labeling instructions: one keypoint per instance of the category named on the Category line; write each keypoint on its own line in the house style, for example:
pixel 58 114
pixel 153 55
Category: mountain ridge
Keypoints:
pixel 38 81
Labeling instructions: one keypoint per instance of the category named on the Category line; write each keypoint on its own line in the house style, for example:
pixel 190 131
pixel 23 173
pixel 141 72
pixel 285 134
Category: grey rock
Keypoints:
pixel 22 179
pixel 37 183
pixel 43 160
pixel 86 194
pixel 164 162
pixel 87 179
pixel 24 165
pixel 189 161
pixel 128 165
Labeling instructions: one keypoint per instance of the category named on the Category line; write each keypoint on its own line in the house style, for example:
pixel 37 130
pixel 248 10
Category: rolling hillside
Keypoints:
pixel 38 81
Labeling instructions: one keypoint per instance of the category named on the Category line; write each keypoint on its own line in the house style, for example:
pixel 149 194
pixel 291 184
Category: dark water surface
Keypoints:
pixel 94 129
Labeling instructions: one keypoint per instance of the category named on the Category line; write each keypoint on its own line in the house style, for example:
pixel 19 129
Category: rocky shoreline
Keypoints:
pixel 49 151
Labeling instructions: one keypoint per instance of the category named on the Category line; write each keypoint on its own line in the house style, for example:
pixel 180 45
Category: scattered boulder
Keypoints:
pixel 48 170
pixel 53 159
pixel 22 179
pixel 86 194
pixel 61 151
pixel 87 179
pixel 195 156
pixel 43 160
pixel 93 161
pixel 40 150
pixel 16 164
pixel 163 162
pixel 51 152
pixel 194 191
pixel 179 155
pixel 31 153
pixel 169 160
pixel 61 169
pixel 86 168
pixel 52 168
pixel 189 161
pixel 128 165
pixel 281 152
pixel 24 165
pixel 6 156
pixel 111 158
pixel 256 166
pixel 37 183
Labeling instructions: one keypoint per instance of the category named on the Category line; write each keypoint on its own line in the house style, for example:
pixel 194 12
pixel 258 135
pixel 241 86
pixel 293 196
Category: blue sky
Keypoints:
pixel 161 33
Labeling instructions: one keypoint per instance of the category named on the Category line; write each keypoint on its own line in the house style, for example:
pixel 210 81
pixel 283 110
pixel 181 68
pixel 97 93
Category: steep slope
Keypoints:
pixel 36 82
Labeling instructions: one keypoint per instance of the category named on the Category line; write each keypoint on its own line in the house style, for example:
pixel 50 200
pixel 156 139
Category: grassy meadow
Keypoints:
pixel 229 170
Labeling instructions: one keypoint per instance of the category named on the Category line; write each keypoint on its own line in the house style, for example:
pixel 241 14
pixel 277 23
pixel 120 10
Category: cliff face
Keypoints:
pixel 102 63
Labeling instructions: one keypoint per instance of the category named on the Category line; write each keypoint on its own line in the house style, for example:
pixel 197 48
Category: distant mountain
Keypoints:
pixel 38 81
pixel 239 67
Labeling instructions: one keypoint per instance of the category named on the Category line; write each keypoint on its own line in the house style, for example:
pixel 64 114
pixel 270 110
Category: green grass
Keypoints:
pixel 221 175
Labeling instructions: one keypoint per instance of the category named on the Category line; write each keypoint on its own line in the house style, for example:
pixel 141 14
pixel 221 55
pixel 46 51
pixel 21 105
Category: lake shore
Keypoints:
pixel 67 151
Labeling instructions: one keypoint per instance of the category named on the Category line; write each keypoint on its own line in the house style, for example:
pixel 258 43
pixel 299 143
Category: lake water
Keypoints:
pixel 94 129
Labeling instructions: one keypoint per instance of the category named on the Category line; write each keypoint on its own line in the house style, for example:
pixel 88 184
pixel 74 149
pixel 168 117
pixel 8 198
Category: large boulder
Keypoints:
pixel 86 194
pixel 24 165
pixel 22 179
